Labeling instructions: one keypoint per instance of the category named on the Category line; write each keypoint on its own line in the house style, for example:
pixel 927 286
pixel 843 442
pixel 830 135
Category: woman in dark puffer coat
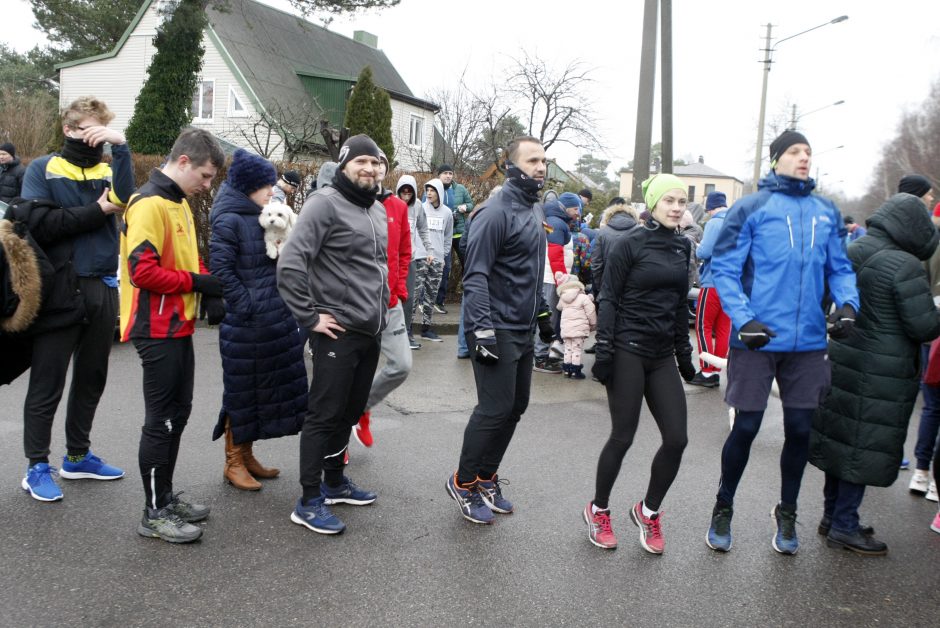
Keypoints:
pixel 859 431
pixel 265 380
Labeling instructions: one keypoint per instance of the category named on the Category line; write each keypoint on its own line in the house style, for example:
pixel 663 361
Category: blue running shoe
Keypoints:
pixel 785 540
pixel 346 493
pixel 40 483
pixel 492 495
pixel 905 464
pixel 317 516
pixel 469 501
pixel 91 467
pixel 719 532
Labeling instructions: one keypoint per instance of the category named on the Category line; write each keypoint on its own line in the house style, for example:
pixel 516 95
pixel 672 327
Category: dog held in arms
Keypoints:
pixel 277 220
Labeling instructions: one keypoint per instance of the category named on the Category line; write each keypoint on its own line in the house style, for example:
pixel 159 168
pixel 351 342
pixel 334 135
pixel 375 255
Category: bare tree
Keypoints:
pixel 554 105
pixel 460 121
pixel 294 129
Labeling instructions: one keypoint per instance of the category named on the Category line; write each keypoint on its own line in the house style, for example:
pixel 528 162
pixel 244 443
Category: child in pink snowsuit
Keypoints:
pixel 578 320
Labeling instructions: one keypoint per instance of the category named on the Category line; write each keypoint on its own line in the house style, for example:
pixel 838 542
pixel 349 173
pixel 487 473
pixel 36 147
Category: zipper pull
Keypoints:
pixel 790 229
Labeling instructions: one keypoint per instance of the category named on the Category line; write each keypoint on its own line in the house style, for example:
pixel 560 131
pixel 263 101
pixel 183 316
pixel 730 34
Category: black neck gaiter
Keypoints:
pixel 77 152
pixel 353 193
pixel 529 186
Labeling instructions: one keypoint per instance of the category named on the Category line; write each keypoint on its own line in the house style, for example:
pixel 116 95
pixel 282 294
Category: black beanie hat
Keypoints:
pixel 780 145
pixel 292 177
pixel 7 147
pixel 445 168
pixel 357 146
pixel 915 184
pixel 249 172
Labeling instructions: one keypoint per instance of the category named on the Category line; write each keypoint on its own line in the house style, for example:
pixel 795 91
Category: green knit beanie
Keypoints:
pixel 657 185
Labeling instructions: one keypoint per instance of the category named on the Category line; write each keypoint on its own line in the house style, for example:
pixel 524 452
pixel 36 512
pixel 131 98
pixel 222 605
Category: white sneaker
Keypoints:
pixel 932 492
pixel 557 348
pixel 919 482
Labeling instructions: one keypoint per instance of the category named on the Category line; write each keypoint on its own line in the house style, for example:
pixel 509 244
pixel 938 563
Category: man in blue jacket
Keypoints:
pixel 502 304
pixel 79 179
pixel 774 256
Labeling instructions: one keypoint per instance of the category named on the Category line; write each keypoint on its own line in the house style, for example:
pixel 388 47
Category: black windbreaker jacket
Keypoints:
pixel 642 305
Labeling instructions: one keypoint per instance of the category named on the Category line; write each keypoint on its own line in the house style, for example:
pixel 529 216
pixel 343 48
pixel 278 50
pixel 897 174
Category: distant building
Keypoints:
pixel 701 180
pixel 260 63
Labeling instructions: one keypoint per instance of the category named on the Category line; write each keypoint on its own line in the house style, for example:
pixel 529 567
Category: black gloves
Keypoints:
pixel 207 284
pixel 843 322
pixel 546 329
pixel 755 334
pixel 486 354
pixel 214 308
pixel 602 370
pixel 686 368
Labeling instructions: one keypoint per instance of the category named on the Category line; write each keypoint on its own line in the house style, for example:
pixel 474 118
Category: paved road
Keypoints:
pixel 410 560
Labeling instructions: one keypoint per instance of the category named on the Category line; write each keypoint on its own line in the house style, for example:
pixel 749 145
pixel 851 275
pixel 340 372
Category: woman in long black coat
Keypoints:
pixel 859 431
pixel 265 380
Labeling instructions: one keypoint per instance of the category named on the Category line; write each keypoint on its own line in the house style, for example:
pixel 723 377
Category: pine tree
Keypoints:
pixel 369 111
pixel 163 105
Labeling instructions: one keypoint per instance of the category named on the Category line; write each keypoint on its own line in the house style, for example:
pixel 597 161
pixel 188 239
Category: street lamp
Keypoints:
pixel 795 118
pixel 768 51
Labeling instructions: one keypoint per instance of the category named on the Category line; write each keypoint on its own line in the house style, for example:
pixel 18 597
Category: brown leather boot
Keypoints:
pixel 254 467
pixel 235 471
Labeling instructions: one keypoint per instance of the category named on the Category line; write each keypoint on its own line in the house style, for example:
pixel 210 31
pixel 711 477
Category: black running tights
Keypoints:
pixel 657 380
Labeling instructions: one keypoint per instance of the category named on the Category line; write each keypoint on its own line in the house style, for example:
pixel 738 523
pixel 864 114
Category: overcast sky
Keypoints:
pixel 881 61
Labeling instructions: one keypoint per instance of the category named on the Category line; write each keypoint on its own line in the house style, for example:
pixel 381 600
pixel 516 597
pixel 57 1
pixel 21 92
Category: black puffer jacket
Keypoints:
pixel 642 306
pixel 859 431
pixel 11 180
pixel 54 229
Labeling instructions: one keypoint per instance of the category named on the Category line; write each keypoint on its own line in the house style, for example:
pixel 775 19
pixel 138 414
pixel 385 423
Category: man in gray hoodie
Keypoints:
pixel 332 274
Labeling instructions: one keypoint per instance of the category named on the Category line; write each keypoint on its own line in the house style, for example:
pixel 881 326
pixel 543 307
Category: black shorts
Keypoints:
pixel 803 377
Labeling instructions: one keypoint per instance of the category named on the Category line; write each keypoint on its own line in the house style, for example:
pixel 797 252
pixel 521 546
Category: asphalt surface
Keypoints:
pixel 411 560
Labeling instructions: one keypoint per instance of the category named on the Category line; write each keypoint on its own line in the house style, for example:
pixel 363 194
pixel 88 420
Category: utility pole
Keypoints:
pixel 644 109
pixel 666 76
pixel 763 104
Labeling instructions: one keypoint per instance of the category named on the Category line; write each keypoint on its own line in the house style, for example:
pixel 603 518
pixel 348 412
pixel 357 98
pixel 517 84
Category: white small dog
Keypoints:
pixel 277 220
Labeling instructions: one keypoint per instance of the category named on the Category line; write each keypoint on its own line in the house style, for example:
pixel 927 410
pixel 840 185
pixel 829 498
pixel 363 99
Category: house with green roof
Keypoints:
pixel 268 80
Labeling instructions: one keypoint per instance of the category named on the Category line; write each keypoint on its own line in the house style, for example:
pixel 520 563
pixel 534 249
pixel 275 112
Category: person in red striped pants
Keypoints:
pixel 712 325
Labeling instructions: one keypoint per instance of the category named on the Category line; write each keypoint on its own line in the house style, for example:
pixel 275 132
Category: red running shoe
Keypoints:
pixel 362 432
pixel 599 531
pixel 651 536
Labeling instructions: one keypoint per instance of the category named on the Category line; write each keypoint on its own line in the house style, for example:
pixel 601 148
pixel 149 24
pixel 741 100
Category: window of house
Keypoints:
pixel 236 108
pixel 203 100
pixel 691 193
pixel 709 188
pixel 416 132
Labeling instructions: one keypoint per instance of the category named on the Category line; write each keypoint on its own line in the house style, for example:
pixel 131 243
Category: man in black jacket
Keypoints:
pixel 502 303
pixel 11 173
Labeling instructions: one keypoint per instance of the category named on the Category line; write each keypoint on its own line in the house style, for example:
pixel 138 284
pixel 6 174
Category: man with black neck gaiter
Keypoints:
pixel 78 318
pixel 502 305
pixel 333 275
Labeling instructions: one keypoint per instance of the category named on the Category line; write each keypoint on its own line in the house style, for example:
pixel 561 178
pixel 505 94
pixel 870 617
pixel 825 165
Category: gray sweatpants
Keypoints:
pixel 397 352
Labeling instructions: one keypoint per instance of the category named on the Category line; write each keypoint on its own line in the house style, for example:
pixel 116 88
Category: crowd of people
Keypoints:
pixel 792 295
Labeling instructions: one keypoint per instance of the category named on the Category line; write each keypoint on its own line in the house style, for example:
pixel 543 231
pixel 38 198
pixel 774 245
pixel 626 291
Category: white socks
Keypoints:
pixel 647 512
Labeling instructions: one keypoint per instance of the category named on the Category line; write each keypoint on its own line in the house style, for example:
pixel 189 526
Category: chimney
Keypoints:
pixel 366 38
pixel 701 159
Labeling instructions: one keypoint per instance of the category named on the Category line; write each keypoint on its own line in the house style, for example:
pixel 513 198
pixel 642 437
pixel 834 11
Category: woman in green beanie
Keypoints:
pixel 642 335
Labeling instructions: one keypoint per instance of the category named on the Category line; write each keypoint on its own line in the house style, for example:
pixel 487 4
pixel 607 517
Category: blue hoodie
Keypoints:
pixel 773 257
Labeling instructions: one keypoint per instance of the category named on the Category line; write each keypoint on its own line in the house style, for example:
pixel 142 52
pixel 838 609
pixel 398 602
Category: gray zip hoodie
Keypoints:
pixel 420 240
pixel 440 222
pixel 335 261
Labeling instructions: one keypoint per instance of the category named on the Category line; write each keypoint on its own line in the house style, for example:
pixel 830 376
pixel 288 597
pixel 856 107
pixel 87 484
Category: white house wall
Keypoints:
pixel 412 158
